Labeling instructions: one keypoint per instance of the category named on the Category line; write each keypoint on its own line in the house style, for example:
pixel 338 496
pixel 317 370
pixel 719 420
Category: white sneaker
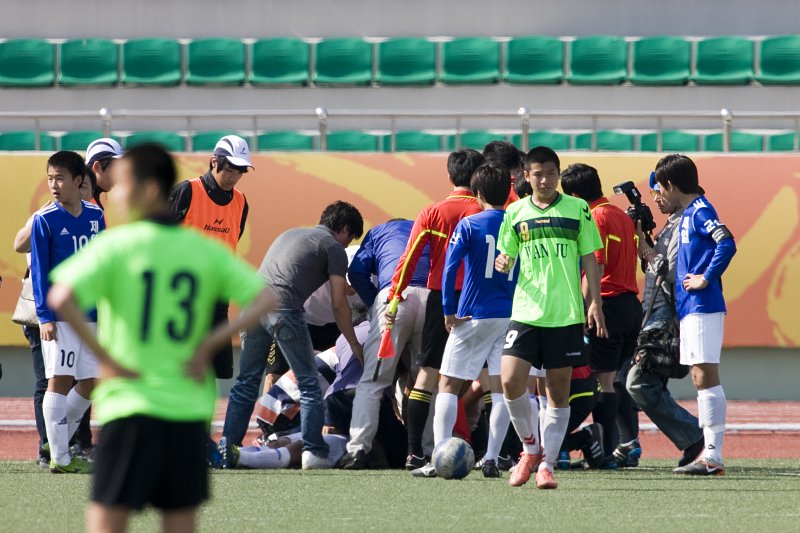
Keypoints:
pixel 314 462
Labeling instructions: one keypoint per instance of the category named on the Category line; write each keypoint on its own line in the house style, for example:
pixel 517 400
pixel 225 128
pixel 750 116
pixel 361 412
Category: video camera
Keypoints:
pixel 638 211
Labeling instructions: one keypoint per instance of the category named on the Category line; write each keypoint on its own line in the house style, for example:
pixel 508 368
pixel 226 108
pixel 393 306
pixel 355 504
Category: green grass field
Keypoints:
pixel 752 496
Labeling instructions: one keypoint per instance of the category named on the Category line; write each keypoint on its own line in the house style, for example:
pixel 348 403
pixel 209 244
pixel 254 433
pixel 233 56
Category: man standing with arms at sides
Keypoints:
pixel 213 204
pixel 552 235
pixel 433 226
pixel 705 250
pixel 99 156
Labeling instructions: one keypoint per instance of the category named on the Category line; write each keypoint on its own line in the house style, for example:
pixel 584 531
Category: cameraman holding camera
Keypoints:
pixel 649 389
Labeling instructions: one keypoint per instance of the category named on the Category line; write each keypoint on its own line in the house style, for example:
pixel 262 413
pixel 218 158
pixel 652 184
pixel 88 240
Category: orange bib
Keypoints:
pixel 219 221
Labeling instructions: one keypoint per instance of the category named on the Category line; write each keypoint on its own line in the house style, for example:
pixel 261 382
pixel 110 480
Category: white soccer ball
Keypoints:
pixel 453 458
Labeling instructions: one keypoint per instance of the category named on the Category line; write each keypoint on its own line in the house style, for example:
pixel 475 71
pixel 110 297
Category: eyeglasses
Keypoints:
pixel 656 193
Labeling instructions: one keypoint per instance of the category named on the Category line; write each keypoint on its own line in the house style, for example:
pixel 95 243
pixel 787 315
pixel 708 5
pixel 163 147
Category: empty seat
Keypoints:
pixel 168 139
pixel 79 140
pixel 661 60
pixel 475 139
pixel 205 141
pixel 607 140
pixel 671 141
pixel 471 60
pixel 27 63
pixel 781 142
pixel 280 61
pixel 215 61
pixel 740 142
pixel 724 61
pixel 26 140
pixel 534 59
pixel 151 62
pixel 410 61
pixel 289 141
pixel 556 140
pixel 88 62
pixel 346 61
pixel 414 141
pixel 779 60
pixel 598 60
pixel 352 141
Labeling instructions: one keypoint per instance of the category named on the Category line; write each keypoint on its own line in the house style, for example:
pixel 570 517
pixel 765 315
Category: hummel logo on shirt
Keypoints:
pixel 64 232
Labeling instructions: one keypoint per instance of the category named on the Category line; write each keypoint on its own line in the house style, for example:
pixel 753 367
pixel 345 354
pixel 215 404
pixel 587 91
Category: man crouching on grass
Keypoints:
pixel 155 285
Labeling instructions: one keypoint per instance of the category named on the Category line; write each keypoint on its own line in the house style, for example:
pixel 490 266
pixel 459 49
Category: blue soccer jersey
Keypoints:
pixel 55 236
pixel 705 248
pixel 486 293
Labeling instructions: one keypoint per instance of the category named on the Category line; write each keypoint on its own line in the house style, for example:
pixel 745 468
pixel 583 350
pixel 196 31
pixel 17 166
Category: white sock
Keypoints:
pixel 712 407
pixel 542 400
pixel 498 426
pixel 524 419
pixel 555 428
pixel 76 408
pixel 445 412
pixel 54 409
pixel 263 457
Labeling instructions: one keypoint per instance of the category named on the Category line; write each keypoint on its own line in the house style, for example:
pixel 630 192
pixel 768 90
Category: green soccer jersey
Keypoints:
pixel 548 244
pixel 155 287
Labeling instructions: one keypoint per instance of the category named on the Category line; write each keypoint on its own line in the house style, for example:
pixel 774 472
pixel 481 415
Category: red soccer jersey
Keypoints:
pixel 433 226
pixel 619 255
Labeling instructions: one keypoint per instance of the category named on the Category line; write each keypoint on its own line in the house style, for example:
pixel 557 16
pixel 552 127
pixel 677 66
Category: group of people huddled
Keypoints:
pixel 506 305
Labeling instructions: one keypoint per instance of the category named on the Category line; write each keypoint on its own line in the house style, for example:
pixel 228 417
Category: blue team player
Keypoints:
pixel 60 230
pixel 478 321
pixel 705 250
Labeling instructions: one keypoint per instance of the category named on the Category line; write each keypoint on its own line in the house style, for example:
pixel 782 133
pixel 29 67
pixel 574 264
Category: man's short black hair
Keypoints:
pixel 69 161
pixel 150 162
pixel 461 164
pixel 583 181
pixel 680 171
pixel 504 153
pixel 222 162
pixel 493 182
pixel 523 188
pixel 542 155
pixel 340 216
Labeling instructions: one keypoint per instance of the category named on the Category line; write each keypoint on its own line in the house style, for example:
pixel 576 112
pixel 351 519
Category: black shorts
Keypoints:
pixel 434 334
pixel 223 359
pixel 546 347
pixel 623 315
pixel 339 409
pixel 276 362
pixel 142 460
pixel 323 337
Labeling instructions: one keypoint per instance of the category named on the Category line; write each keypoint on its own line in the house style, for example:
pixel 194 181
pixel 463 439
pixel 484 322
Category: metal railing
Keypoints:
pixel 323 117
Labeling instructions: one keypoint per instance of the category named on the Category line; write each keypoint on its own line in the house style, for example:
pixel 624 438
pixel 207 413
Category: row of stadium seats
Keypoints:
pixel 422 141
pixel 590 60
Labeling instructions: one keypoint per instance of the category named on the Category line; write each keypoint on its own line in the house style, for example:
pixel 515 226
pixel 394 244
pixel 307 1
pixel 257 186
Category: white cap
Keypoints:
pixel 235 150
pixel 103 149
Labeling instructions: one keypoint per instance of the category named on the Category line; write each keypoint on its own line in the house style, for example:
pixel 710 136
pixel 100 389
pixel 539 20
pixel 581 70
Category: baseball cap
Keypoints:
pixel 653 182
pixel 102 149
pixel 235 150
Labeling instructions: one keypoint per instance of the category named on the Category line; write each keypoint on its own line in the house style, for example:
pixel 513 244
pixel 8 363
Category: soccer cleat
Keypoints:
pixel 315 462
pixel 214 457
pixel 627 455
pixel 608 463
pixel 354 461
pixel 691 453
pixel 425 471
pixel 479 464
pixel 505 463
pixel 229 454
pixel 701 467
pixel 545 479
pixel 563 462
pixel 521 473
pixel 43 458
pixel 414 461
pixel 593 451
pixel 490 469
pixel 77 465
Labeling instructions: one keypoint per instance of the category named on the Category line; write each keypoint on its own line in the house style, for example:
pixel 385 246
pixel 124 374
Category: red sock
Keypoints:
pixel 462 426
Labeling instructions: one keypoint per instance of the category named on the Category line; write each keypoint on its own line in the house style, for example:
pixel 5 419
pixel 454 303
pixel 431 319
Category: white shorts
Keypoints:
pixel 701 338
pixel 537 372
pixel 471 344
pixel 68 356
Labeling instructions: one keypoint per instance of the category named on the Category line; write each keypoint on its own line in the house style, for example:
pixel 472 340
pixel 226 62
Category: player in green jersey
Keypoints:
pixel 155 284
pixel 553 236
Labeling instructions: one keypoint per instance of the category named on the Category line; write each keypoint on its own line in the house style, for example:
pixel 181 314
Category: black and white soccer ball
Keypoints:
pixel 453 458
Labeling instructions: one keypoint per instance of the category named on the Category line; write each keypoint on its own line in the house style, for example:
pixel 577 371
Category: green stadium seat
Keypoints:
pixel 661 60
pixel 779 60
pixel 724 61
pixel 26 140
pixel 352 141
pixel 280 61
pixel 168 139
pixel 555 140
pixel 671 141
pixel 598 60
pixel 471 60
pixel 343 61
pixel 476 139
pixel 607 141
pixel 205 141
pixel 215 61
pixel 781 142
pixel 740 142
pixel 413 141
pixel 88 62
pixel 79 140
pixel 27 63
pixel 534 59
pixel 151 62
pixel 288 141
pixel 410 61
